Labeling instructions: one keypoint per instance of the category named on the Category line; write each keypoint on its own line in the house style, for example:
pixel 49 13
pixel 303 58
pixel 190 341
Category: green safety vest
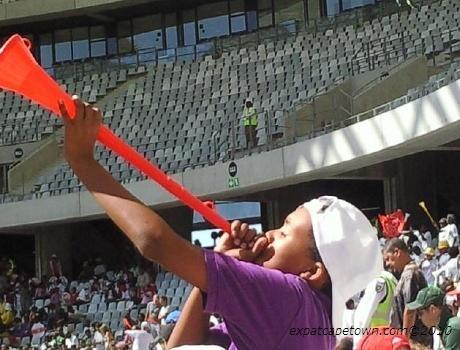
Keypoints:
pixel 249 116
pixel 381 316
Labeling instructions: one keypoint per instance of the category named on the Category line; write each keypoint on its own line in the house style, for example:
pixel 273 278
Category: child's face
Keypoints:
pixel 289 247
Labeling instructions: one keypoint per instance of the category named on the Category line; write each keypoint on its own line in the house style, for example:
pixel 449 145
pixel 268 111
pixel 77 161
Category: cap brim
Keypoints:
pixel 414 306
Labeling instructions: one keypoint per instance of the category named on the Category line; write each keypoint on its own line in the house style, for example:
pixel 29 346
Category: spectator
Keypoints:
pixel 7 316
pixel 430 307
pixel 141 339
pixel 83 296
pixel 429 266
pixel 152 310
pixel 108 336
pixel 411 281
pixel 128 322
pixel 250 123
pixel 164 310
pixel 55 266
pixel 452 228
pixel 453 301
pixel 38 331
pixel 443 253
pixel 143 279
pixel 446 233
pixel 98 338
pixel 426 236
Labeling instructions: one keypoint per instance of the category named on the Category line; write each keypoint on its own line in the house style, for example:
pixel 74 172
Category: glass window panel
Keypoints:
pixel 213 20
pixel 189 27
pixel 350 4
pixel 63 46
pixel 125 43
pixel 46 50
pixel 332 7
pixel 251 18
pixel 265 13
pixel 80 43
pixel 97 41
pixel 238 23
pixel 171 30
pixel 147 32
pixel 237 16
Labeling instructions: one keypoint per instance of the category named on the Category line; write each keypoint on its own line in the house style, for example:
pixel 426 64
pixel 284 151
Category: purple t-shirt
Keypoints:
pixel 264 308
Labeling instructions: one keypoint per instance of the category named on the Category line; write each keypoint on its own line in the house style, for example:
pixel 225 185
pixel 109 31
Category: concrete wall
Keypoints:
pixel 25 11
pixel 7 152
pixel 23 176
pixel 422 124
pixel 410 74
pixel 51 240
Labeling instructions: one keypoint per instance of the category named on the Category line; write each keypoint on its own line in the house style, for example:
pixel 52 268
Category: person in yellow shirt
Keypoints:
pixel 250 123
pixel 7 316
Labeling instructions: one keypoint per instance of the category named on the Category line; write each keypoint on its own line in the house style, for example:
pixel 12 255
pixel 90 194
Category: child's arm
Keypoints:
pixel 148 231
pixel 193 324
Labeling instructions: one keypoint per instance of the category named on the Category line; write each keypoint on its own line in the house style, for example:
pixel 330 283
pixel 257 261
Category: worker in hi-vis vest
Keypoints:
pixel 250 123
pixel 374 308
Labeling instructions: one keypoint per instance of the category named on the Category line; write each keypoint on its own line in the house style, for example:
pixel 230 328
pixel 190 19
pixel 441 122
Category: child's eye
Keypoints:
pixel 283 234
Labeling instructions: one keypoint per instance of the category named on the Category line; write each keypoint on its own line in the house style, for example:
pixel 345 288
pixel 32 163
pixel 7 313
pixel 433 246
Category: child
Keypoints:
pixel 288 296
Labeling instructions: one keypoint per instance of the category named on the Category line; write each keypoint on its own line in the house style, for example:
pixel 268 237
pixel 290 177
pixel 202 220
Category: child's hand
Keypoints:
pixel 242 242
pixel 81 131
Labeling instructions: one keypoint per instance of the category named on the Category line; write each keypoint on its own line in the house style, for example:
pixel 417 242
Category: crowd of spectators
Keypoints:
pixel 51 312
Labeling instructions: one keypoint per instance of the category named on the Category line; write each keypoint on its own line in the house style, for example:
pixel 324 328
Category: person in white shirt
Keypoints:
pixel 141 339
pixel 38 331
pixel 443 256
pixel 452 267
pixel 83 296
pixel 426 235
pixel 452 227
pixel 98 340
pixel 447 233
pixel 164 310
pixel 429 265
pixel 143 279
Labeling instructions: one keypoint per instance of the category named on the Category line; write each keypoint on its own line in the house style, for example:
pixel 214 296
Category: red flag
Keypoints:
pixel 392 224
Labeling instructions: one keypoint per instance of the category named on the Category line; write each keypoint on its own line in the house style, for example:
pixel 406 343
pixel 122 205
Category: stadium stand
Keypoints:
pixel 189 111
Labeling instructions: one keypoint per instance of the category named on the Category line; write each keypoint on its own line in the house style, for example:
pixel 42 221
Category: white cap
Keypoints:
pixel 348 246
pixel 145 325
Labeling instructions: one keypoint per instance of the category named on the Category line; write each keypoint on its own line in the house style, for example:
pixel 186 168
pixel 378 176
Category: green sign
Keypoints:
pixel 233 182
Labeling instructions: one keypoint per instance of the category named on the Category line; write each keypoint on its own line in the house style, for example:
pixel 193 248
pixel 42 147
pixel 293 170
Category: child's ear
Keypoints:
pixel 316 277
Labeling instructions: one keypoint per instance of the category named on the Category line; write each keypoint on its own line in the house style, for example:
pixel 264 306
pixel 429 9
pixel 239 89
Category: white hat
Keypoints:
pixel 348 246
pixel 144 325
